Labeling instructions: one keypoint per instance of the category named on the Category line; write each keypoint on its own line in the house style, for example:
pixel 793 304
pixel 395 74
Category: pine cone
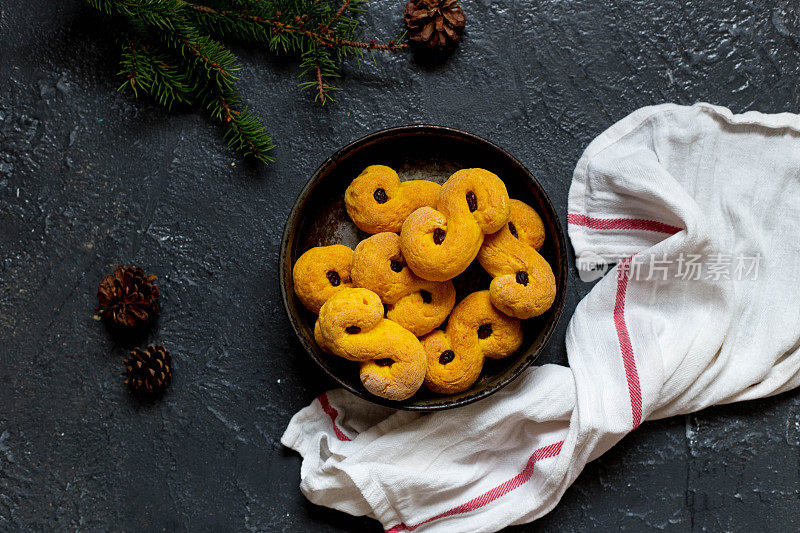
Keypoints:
pixel 128 298
pixel 148 372
pixel 435 24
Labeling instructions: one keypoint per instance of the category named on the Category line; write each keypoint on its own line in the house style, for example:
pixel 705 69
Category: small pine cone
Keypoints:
pixel 148 372
pixel 435 24
pixel 128 298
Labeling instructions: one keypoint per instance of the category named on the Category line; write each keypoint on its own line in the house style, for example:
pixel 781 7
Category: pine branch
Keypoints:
pixel 244 133
pixel 171 52
pixel 318 65
pixel 323 37
pixel 156 13
pixel 218 63
pixel 248 136
pixel 151 72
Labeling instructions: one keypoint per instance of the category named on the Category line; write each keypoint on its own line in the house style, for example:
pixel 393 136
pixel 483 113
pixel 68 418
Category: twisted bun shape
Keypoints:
pixel 440 243
pixel 416 304
pixel 378 201
pixel 351 325
pixel 476 330
pixel 320 273
pixel 524 285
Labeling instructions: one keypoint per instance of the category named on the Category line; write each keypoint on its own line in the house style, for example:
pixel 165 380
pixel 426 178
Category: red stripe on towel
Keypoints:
pixel 625 346
pixel 333 413
pixel 621 223
pixel 493 494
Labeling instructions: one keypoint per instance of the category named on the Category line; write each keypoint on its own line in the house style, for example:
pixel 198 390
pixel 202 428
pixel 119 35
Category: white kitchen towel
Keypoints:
pixel 700 209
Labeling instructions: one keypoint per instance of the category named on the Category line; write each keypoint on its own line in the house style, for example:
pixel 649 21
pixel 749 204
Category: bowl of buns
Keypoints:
pixel 423 267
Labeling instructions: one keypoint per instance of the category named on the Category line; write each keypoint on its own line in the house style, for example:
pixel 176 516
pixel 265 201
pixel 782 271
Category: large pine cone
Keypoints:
pixel 148 372
pixel 128 298
pixel 435 24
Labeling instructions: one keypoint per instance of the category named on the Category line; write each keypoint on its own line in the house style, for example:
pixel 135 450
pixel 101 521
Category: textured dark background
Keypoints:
pixel 89 178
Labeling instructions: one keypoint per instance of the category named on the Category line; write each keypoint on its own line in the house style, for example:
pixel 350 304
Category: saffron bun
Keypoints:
pixel 475 330
pixel 320 273
pixel 439 244
pixel 351 325
pixel 523 284
pixel 418 305
pixel 378 201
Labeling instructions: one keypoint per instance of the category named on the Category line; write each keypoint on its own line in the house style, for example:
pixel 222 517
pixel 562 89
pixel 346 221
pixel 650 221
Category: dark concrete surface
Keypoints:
pixel 90 178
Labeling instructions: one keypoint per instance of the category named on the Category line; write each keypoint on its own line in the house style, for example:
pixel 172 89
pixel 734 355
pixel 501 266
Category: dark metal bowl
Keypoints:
pixel 319 218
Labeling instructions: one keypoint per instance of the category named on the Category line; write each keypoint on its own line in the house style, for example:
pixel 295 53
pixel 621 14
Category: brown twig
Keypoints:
pixel 372 45
pixel 132 74
pixel 324 39
pixel 193 48
pixel 339 12
pixel 230 119
pixel 320 85
pixel 227 109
